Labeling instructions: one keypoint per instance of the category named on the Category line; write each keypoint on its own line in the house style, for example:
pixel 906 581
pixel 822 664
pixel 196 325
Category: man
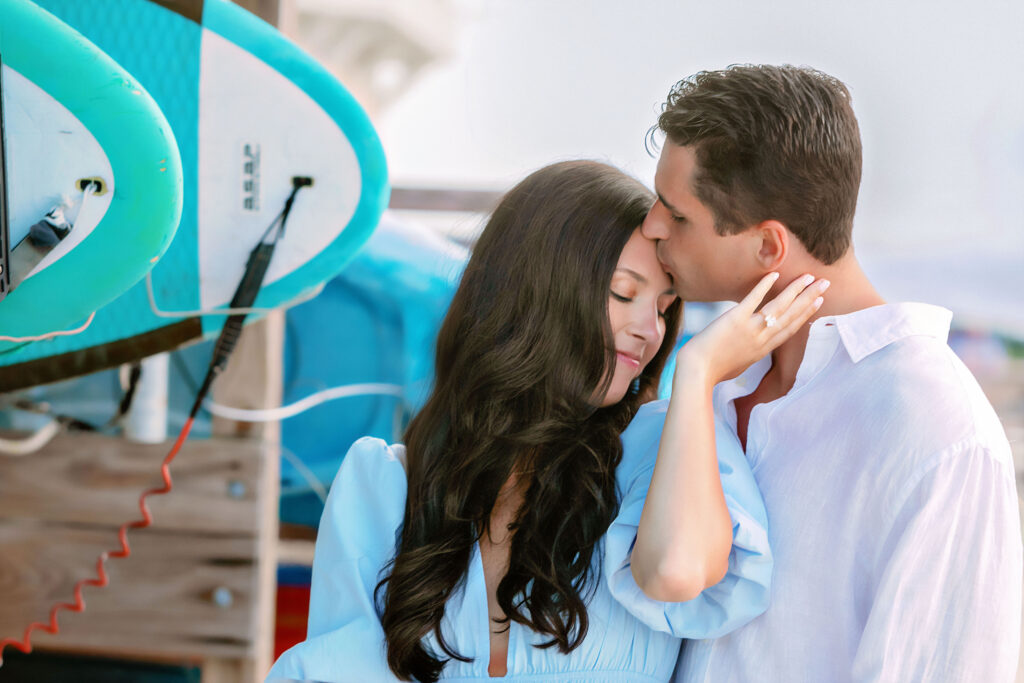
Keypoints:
pixel 886 475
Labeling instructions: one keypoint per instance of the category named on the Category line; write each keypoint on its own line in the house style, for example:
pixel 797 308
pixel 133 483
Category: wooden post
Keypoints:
pixel 267 10
pixel 255 374
pixel 254 378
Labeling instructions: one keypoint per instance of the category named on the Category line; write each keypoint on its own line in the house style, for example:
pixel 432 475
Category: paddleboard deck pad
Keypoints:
pixel 250 112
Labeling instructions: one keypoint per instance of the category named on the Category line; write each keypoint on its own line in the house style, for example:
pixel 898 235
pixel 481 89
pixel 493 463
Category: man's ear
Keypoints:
pixel 772 244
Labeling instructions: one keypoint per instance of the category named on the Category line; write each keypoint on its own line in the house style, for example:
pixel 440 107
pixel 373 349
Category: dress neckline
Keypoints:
pixel 477 601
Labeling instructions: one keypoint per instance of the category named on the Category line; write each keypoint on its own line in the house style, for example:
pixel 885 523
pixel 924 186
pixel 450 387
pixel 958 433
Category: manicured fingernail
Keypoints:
pixel 818 301
pixel 823 285
pixel 808 279
pixel 775 275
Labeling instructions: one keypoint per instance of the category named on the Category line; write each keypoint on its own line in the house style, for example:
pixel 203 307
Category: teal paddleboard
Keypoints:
pixel 72 115
pixel 250 111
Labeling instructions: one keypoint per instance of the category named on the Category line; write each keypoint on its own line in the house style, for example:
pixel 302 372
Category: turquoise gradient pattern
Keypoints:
pixel 266 43
pixel 145 210
pixel 162 50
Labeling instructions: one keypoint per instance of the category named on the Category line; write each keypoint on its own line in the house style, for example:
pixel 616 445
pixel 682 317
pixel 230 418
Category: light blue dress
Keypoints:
pixel 631 637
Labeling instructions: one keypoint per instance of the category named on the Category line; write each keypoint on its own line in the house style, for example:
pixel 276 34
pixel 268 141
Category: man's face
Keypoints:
pixel 705 266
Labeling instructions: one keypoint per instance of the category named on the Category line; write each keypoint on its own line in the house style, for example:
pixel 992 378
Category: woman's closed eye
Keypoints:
pixel 662 312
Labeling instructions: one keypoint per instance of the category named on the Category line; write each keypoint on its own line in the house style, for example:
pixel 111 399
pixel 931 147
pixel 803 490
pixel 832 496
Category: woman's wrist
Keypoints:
pixel 693 370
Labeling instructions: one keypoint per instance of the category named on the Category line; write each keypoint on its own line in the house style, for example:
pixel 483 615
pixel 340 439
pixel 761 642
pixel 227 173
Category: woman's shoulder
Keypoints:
pixel 650 416
pixel 370 453
pixel 642 437
pixel 366 503
pixel 356 539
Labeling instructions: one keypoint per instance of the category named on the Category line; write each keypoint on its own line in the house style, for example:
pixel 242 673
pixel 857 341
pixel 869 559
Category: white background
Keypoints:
pixel 938 88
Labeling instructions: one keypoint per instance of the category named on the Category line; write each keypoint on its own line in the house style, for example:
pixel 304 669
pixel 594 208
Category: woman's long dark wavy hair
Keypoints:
pixel 521 355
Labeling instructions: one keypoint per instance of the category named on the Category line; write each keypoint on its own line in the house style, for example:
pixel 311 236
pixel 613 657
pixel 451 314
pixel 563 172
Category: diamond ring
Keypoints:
pixel 769 319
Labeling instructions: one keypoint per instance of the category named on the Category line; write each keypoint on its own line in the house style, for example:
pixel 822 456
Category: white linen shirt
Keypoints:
pixel 892 514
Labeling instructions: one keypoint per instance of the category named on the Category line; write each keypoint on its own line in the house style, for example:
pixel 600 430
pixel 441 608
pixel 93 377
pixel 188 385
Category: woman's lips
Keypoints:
pixel 628 359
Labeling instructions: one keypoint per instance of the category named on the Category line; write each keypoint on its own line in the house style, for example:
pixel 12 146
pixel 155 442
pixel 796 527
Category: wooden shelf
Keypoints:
pixel 188 590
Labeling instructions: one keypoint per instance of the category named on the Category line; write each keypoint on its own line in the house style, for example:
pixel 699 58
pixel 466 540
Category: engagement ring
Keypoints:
pixel 769 320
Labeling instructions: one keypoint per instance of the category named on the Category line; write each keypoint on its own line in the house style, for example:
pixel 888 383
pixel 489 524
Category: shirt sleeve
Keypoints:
pixel 356 538
pixel 743 593
pixel 947 606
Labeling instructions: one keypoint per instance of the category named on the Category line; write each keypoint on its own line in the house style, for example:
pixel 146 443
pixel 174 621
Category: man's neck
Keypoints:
pixel 850 291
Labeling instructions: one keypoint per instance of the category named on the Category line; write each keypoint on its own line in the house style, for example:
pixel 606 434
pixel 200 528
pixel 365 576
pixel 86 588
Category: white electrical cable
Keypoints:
pixel 159 312
pixel 31 444
pixel 305 473
pixel 51 335
pixel 284 412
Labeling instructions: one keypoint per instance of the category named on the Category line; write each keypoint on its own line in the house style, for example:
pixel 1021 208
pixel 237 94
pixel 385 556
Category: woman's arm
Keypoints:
pixel 685 532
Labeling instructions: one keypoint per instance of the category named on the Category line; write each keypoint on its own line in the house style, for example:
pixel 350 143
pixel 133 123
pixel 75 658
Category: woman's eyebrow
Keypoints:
pixel 639 278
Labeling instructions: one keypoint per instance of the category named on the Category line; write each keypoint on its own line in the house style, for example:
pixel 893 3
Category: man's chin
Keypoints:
pixel 688 294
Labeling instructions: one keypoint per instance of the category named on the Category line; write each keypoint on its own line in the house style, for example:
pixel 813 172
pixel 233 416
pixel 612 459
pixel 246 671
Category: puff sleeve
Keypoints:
pixel 356 538
pixel 743 593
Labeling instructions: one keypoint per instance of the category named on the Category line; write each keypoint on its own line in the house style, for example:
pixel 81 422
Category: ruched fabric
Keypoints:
pixel 630 638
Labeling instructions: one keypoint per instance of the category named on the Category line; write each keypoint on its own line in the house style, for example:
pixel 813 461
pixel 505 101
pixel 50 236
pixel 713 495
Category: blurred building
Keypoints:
pixel 377 48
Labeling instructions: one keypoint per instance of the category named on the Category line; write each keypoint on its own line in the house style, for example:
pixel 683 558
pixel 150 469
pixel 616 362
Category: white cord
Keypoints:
pixel 51 335
pixel 157 311
pixel 31 444
pixel 86 193
pixel 305 473
pixel 284 412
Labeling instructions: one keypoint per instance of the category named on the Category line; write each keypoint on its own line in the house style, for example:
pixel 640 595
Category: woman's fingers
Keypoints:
pixel 740 336
pixel 778 306
pixel 751 301
pixel 798 321
pixel 799 309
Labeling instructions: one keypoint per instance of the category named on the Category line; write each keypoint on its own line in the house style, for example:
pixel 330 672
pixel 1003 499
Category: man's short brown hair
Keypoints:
pixel 772 142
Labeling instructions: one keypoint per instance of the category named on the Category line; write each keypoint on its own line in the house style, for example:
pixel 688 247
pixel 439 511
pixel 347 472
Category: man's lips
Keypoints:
pixel 665 264
pixel 657 251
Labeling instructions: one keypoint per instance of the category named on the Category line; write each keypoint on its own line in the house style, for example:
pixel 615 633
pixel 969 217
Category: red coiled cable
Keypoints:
pixel 25 644
pixel 245 296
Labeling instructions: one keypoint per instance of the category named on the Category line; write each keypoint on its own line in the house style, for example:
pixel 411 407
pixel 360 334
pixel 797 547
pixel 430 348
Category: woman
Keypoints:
pixel 510 536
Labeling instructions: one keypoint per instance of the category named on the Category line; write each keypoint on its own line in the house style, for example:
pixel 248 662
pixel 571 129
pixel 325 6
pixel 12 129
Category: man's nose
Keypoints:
pixel 654 226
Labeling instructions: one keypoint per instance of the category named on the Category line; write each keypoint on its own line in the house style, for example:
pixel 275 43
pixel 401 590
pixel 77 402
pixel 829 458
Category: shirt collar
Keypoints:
pixel 868 330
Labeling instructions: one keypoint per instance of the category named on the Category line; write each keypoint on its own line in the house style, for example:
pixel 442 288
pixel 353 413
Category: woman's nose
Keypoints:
pixel 646 324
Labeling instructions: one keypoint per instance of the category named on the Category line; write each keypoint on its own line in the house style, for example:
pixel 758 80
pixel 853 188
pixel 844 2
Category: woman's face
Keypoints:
pixel 640 294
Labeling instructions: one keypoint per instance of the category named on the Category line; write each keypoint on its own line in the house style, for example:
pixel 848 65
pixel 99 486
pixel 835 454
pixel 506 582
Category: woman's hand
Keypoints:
pixel 685 533
pixel 742 335
pixel 684 537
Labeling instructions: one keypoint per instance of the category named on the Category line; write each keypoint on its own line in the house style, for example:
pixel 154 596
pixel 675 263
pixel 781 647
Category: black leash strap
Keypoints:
pixel 245 294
